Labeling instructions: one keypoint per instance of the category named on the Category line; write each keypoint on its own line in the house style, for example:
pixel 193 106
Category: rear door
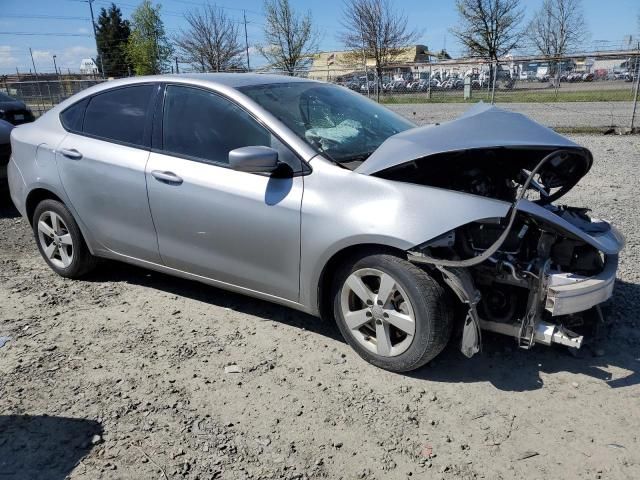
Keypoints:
pixel 102 163
pixel 235 227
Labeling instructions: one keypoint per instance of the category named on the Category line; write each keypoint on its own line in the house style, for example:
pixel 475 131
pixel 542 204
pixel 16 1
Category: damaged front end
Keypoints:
pixel 540 285
pixel 537 274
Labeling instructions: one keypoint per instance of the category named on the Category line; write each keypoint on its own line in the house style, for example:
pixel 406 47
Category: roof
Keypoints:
pixel 233 80
pixel 217 81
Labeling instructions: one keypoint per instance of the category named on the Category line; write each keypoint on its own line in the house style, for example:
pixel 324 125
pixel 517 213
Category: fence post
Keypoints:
pixel 493 87
pixel 558 75
pixel 635 95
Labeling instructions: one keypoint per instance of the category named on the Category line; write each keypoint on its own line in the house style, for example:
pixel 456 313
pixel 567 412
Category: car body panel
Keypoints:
pixel 236 227
pixel 343 208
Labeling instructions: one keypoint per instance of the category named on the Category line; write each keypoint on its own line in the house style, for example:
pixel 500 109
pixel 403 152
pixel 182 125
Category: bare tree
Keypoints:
pixel 557 28
pixel 290 38
pixel 211 42
pixel 373 28
pixel 489 28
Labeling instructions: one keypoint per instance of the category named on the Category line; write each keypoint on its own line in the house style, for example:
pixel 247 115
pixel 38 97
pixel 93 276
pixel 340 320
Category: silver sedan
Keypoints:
pixel 310 195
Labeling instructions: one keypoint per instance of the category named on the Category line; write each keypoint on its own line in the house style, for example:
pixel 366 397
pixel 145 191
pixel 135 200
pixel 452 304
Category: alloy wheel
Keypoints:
pixel 378 312
pixel 55 239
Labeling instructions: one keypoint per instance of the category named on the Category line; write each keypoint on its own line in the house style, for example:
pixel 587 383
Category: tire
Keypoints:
pixel 427 302
pixel 64 250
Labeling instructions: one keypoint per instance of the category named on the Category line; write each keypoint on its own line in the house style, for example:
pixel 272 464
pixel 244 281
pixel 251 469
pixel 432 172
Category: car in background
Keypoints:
pixel 453 83
pixel 5 150
pixel 14 111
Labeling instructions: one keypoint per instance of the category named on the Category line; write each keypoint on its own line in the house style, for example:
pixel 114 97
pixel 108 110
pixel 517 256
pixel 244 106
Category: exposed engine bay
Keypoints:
pixel 536 274
pixel 497 172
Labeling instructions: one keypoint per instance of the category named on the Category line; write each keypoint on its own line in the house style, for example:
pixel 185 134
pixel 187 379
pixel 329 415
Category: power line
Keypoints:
pixel 44 17
pixel 48 34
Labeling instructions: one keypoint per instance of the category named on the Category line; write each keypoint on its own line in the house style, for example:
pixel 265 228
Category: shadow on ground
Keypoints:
pixel 7 210
pixel 502 364
pixel 43 447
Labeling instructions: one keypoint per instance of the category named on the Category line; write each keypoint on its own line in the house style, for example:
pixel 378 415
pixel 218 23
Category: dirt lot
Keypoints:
pixel 123 376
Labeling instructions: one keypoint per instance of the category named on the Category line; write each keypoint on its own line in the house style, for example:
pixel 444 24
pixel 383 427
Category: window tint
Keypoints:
pixel 119 114
pixel 72 117
pixel 201 124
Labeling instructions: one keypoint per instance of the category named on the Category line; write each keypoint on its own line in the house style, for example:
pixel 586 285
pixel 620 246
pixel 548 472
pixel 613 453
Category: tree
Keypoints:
pixel 557 28
pixel 112 35
pixel 212 41
pixel 290 38
pixel 489 28
pixel 374 30
pixel 148 48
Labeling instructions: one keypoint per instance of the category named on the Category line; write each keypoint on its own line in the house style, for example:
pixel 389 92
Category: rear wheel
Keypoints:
pixel 59 240
pixel 391 312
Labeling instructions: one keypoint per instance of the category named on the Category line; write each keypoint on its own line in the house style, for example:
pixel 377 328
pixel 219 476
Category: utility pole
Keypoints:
pixel 55 67
pixel 177 69
pixel 246 39
pixel 95 36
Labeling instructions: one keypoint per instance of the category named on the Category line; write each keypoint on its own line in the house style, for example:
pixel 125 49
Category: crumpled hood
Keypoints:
pixel 482 126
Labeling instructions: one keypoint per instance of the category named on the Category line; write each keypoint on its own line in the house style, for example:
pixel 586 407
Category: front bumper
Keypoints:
pixel 570 293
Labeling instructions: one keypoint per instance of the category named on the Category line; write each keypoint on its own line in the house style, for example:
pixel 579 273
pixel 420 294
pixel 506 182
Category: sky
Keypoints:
pixel 63 27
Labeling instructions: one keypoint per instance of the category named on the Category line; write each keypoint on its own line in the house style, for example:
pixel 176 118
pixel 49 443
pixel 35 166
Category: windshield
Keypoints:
pixel 343 125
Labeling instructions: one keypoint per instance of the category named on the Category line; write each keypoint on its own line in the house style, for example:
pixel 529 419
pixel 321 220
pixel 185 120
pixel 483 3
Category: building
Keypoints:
pixel 88 67
pixel 342 65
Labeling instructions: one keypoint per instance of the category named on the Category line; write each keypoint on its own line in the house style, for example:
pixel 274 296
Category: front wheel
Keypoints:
pixel 393 314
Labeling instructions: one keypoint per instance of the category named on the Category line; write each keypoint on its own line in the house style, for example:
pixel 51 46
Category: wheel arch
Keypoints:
pixel 39 194
pixel 35 197
pixel 323 298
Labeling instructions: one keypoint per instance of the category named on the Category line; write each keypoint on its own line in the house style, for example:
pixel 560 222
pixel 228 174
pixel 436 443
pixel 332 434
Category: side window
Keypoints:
pixel 72 116
pixel 119 114
pixel 203 125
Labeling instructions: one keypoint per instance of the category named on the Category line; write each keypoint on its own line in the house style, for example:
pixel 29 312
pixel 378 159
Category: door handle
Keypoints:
pixel 71 153
pixel 167 177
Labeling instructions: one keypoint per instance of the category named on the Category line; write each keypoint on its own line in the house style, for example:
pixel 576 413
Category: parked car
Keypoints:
pixel 309 195
pixel 453 84
pixel 14 111
pixel 5 150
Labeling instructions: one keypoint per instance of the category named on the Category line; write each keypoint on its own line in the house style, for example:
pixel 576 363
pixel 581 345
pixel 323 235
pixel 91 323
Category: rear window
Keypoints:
pixel 119 115
pixel 72 117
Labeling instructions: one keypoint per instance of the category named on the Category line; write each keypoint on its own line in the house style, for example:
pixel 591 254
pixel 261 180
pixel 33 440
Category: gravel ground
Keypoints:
pixel 133 374
pixel 559 115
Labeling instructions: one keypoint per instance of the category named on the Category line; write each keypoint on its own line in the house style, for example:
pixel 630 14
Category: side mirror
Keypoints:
pixel 254 159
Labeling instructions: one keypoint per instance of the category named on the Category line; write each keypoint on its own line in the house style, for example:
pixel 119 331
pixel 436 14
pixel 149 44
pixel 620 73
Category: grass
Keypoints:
pixel 513 96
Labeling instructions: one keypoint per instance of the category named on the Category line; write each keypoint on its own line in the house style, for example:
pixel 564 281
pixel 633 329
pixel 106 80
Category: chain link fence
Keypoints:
pixel 41 95
pixel 593 78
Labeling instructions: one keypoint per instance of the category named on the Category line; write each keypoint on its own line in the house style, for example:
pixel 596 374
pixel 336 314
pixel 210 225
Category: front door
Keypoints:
pixel 235 227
